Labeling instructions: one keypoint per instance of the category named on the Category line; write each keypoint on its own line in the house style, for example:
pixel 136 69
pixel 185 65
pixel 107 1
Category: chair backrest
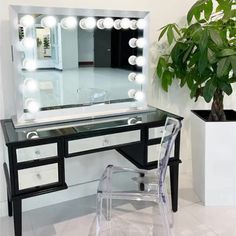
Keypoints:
pixel 170 132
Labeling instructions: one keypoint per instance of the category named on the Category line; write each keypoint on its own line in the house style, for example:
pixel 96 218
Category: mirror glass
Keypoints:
pixel 77 61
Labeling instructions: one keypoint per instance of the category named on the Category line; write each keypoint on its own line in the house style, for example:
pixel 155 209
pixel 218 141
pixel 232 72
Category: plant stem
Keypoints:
pixel 217 107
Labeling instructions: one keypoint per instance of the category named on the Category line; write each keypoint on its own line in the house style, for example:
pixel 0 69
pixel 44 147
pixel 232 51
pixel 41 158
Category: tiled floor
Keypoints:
pixel 77 218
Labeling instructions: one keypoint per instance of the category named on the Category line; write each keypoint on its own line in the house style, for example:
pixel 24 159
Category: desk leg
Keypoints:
pixel 174 182
pixel 17 215
pixel 141 185
pixel 9 205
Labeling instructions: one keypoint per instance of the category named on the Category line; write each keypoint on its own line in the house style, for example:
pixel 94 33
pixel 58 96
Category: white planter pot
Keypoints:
pixel 214 161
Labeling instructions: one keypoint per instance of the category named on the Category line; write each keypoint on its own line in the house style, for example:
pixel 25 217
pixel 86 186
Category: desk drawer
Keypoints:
pixel 155 132
pixel 36 152
pixel 80 145
pixel 38 176
pixel 153 152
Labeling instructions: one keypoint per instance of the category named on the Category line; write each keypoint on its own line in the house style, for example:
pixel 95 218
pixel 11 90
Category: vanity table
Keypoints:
pixel 35 161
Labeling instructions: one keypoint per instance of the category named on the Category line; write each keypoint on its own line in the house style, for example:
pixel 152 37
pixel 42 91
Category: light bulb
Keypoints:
pixel 141 24
pixel 32 105
pixel 133 24
pixel 29 65
pixel 30 85
pixel 69 22
pixel 48 21
pixel 27 21
pixel 131 76
pixel 108 23
pixel 125 23
pixel 140 43
pixel 140 79
pixel 117 25
pixel 131 93
pixel 88 23
pixel 132 42
pixel 28 43
pixel 140 61
pixel 100 24
pixel 139 96
pixel 132 60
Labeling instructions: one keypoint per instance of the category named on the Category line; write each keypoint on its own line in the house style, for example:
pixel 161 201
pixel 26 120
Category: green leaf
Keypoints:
pixel 223 67
pixel 216 37
pixel 193 91
pixel 226 52
pixel 226 87
pixel 166 80
pixel 208 9
pixel 170 35
pixel 211 56
pixel 163 32
pixel 189 80
pixel 209 90
pixel 233 64
pixel 161 65
pixel 203 61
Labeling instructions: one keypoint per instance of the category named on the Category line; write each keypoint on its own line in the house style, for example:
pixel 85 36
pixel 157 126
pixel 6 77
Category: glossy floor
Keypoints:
pixel 77 218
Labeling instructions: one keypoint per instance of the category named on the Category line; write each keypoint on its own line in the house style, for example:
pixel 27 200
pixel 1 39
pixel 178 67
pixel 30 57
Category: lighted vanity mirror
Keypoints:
pixel 76 60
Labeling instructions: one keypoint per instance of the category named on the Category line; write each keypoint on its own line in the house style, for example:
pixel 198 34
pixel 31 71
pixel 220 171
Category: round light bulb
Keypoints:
pixel 140 61
pixel 131 93
pixel 117 25
pixel 90 23
pixel 132 42
pixel 69 22
pixel 133 24
pixel 131 76
pixel 140 43
pixel 132 60
pixel 125 23
pixel 108 23
pixel 139 96
pixel 28 43
pixel 29 65
pixel 141 24
pixel 27 21
pixel 140 79
pixel 30 85
pixel 100 24
pixel 48 21
pixel 32 105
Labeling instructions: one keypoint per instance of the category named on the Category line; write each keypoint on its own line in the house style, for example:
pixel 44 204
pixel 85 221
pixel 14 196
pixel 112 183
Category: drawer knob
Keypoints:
pixel 106 142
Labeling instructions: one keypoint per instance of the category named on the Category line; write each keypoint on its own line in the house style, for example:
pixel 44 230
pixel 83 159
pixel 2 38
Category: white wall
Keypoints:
pixel 86 45
pixel 161 12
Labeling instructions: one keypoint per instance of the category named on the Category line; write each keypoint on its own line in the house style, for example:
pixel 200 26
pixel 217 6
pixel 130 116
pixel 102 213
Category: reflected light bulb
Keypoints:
pixel 131 76
pixel 117 25
pixel 27 21
pixel 30 84
pixel 132 60
pixel 140 61
pixel 125 23
pixel 140 43
pixel 140 79
pixel 132 42
pixel 108 23
pixel 133 24
pixel 48 21
pixel 141 24
pixel 90 23
pixel 131 93
pixel 100 24
pixel 28 42
pixel 32 105
pixel 139 96
pixel 29 65
pixel 69 22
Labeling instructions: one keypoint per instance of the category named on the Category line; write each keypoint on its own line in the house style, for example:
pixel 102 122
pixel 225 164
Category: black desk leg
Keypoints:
pixel 141 185
pixel 9 205
pixel 17 215
pixel 174 181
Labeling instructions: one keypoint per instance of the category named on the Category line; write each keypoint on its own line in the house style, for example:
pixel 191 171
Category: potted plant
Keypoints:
pixel 202 56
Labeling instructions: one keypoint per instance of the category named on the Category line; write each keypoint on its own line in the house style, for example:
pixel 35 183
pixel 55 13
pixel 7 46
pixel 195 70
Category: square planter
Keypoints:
pixel 214 158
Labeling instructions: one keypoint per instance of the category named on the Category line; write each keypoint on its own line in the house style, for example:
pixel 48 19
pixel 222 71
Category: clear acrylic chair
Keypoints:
pixel 152 182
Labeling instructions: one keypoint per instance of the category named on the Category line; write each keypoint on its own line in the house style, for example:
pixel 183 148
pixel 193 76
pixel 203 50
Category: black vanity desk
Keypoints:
pixel 134 136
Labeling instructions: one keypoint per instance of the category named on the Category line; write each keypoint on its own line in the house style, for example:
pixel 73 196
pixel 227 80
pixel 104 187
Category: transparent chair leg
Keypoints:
pixel 109 192
pixel 99 214
pixel 169 209
pixel 164 213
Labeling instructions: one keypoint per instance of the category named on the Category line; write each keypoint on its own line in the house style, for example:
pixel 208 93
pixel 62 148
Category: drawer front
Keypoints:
pixel 36 152
pixel 153 152
pixel 155 132
pixel 97 142
pixel 38 176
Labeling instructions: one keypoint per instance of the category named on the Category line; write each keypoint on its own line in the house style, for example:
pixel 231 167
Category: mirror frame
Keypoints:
pixel 22 119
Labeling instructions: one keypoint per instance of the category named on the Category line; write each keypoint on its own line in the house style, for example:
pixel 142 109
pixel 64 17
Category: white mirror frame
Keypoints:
pixel 78 113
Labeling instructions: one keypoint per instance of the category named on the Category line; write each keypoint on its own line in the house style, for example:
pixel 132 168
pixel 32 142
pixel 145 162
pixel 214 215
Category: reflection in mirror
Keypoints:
pixel 76 61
